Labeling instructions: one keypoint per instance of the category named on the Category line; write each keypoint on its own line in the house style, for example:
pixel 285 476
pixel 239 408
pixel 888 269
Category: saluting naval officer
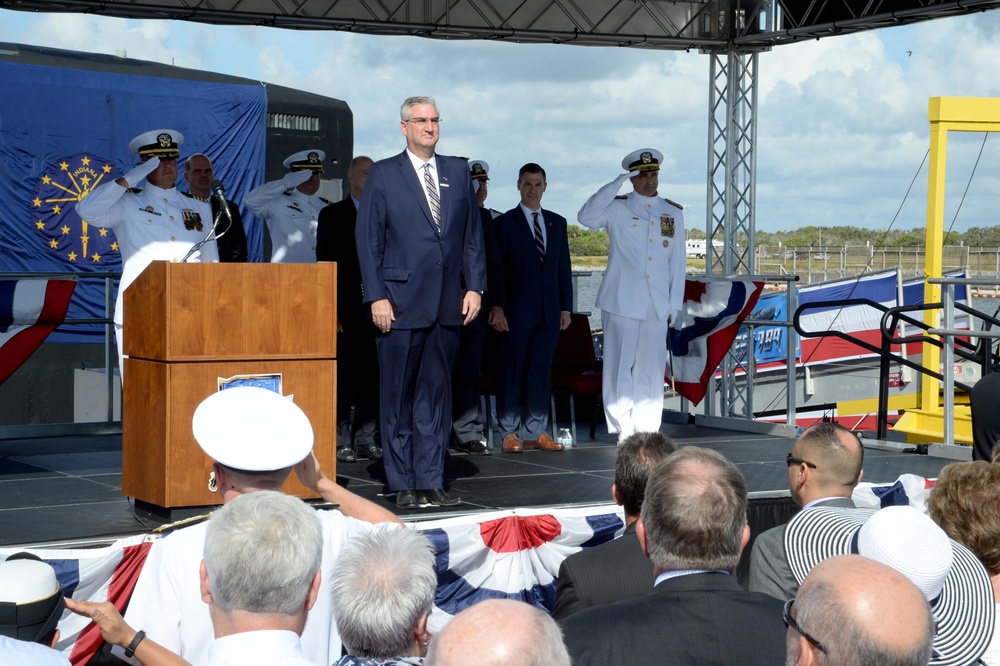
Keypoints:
pixel 642 290
pixel 155 222
pixel 291 207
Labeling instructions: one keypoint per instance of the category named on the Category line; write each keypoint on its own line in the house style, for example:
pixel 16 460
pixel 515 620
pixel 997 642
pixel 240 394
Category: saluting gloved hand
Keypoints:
pixel 136 175
pixel 293 179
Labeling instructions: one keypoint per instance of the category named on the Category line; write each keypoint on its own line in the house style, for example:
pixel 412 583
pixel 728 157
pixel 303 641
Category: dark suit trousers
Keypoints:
pixel 415 402
pixel 357 385
pixel 524 380
pixel 467 426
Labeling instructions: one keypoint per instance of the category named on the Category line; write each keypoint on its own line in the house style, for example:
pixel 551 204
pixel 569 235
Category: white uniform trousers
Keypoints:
pixel 635 359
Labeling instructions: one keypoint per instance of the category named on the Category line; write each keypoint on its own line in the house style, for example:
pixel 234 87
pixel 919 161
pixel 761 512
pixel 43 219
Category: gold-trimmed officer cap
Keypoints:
pixel 479 170
pixel 644 159
pixel 306 159
pixel 157 143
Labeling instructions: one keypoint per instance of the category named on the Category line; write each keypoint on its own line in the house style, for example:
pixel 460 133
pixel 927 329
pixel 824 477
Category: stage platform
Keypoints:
pixel 67 490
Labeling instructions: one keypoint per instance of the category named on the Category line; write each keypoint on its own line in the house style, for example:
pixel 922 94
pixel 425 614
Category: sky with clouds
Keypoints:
pixel 842 122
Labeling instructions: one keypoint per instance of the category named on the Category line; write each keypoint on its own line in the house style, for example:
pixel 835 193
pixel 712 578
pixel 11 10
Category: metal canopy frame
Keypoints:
pixel 731 32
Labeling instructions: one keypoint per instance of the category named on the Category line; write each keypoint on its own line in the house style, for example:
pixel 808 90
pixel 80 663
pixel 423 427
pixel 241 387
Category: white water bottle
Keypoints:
pixel 565 438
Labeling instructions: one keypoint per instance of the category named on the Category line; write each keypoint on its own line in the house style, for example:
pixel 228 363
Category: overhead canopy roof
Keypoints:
pixel 652 24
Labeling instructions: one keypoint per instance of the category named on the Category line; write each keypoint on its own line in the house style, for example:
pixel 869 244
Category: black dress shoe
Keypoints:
pixel 372 452
pixel 477 448
pixel 345 454
pixel 407 499
pixel 438 497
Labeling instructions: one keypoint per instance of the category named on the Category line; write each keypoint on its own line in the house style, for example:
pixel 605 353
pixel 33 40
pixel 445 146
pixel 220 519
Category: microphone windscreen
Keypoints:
pixel 217 185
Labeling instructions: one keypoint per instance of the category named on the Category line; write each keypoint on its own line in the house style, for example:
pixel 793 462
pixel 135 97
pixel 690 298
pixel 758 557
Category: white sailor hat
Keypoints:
pixel 157 143
pixel 252 429
pixel 31 601
pixel 306 159
pixel 479 169
pixel 644 159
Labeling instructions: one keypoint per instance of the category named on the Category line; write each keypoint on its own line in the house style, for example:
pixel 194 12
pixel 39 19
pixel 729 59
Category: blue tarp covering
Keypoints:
pixel 64 131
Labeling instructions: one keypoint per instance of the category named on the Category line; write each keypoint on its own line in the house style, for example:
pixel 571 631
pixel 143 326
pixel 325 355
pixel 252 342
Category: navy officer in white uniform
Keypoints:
pixel 642 290
pixel 155 222
pixel 291 207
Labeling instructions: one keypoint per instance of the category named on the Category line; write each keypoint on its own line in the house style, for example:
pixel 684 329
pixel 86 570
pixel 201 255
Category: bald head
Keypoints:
pixel 483 635
pixel 862 612
pixel 831 458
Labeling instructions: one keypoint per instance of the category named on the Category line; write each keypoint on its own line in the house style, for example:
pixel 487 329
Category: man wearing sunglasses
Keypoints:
pixel 824 466
pixel 855 610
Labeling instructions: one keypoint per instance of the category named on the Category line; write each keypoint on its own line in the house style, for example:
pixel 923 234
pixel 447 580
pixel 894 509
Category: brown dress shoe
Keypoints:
pixel 511 444
pixel 545 443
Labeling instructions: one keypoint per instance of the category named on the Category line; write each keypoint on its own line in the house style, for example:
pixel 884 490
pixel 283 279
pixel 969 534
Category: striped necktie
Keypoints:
pixel 432 195
pixel 539 239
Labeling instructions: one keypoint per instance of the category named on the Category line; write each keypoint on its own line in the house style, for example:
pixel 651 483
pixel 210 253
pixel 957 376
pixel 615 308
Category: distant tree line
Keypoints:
pixel 833 236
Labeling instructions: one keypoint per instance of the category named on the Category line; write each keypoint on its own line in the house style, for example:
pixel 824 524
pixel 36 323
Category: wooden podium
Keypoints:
pixel 188 326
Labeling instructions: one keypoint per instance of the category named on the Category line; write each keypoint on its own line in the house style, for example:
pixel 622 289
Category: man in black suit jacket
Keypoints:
pixel 824 466
pixel 532 291
pixel 617 569
pixel 232 240
pixel 357 365
pixel 420 246
pixel 693 528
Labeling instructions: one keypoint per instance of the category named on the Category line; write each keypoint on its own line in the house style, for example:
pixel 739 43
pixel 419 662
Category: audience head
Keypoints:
pixel 949 576
pixel 638 455
pixel 499 632
pixel 825 461
pixel 262 557
pixel 383 589
pixel 965 502
pixel 254 436
pixel 995 453
pixel 31 600
pixel 694 512
pixel 853 610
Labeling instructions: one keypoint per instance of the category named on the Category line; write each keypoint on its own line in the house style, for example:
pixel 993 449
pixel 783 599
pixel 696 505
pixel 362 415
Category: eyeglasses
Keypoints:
pixel 792 460
pixel 786 615
pixel 424 121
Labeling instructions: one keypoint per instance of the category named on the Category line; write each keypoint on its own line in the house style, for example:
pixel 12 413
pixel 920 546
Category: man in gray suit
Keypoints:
pixel 617 569
pixel 693 527
pixel 824 466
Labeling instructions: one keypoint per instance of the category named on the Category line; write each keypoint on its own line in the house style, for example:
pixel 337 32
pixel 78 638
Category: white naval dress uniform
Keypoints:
pixel 167 602
pixel 149 226
pixel 292 218
pixel 643 284
pixel 259 648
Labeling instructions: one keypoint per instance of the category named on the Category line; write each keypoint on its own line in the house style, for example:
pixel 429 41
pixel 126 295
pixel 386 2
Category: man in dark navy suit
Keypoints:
pixel 357 365
pixel 420 246
pixel 532 297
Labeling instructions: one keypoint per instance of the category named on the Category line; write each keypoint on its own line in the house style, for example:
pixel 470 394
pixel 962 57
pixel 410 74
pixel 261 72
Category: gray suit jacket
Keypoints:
pixel 603 574
pixel 769 570
pixel 704 619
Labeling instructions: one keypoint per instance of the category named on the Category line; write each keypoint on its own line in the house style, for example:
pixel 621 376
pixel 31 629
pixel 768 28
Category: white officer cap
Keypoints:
pixel 31 601
pixel 644 159
pixel 252 429
pixel 157 143
pixel 306 159
pixel 479 170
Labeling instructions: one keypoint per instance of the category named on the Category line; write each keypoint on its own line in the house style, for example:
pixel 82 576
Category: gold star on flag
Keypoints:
pixel 65 230
pixel 85 239
pixel 107 168
pixel 53 243
pixel 57 209
pixel 72 256
pixel 37 202
pixel 85 161
pixel 46 179
pixel 104 232
pixel 40 224
pixel 85 180
pixel 114 247
pixel 96 257
pixel 64 166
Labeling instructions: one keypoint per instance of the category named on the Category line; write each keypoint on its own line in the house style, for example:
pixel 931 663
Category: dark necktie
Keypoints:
pixel 539 239
pixel 432 194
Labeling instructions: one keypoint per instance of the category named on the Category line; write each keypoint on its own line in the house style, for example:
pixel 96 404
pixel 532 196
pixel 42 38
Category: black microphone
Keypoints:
pixel 218 191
